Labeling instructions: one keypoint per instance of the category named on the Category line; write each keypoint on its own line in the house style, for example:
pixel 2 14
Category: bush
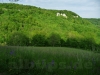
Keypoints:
pixel 38 40
pixel 1 11
pixel 83 43
pixel 18 39
pixel 72 42
pixel 54 40
pixel 89 43
pixel 97 48
pixel 62 43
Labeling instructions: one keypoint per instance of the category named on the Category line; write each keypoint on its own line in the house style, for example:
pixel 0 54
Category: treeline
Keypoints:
pixel 95 21
pixel 26 21
pixel 54 40
pixel 31 20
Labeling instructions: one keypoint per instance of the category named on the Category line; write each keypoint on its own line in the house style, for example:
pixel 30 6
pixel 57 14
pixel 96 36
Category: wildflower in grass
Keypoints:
pixel 12 52
pixel 77 65
pixel 52 63
pixel 51 66
pixel 43 63
pixel 31 65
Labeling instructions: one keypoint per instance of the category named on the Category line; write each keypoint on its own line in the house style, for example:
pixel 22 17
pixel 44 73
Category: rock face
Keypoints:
pixel 62 14
pixel 75 16
pixel 58 14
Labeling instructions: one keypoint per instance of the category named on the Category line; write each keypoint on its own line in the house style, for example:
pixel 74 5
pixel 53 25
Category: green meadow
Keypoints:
pixel 48 61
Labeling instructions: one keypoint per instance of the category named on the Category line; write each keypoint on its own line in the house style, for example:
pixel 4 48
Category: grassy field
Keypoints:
pixel 48 61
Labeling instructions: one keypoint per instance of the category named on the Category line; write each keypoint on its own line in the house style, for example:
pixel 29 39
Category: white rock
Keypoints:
pixel 58 14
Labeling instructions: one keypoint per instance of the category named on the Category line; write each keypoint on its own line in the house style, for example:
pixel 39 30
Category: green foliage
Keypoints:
pixel 31 21
pixel 62 43
pixel 54 40
pixel 72 42
pixel 83 43
pixel 94 20
pixel 18 39
pixel 38 40
pixel 1 11
pixel 48 61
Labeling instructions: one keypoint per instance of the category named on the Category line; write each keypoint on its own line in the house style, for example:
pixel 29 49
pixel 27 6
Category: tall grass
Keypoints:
pixel 48 61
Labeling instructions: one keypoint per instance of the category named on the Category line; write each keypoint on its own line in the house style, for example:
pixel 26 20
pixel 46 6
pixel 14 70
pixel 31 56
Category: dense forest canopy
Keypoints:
pixel 31 21
pixel 95 21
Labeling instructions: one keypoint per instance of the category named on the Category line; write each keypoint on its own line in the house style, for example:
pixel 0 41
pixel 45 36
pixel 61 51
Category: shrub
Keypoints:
pixel 1 11
pixel 83 43
pixel 54 39
pixel 62 43
pixel 18 39
pixel 72 42
pixel 38 40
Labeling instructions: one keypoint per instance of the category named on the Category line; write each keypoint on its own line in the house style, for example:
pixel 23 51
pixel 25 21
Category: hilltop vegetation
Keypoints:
pixel 22 25
pixel 94 20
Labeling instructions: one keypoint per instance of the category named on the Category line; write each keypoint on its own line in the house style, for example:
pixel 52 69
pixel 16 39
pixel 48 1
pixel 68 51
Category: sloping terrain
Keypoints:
pixel 48 61
pixel 31 20
pixel 95 21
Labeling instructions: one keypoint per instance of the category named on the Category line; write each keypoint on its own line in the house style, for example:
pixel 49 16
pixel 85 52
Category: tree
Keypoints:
pixel 62 43
pixel 38 40
pixel 1 11
pixel 18 39
pixel 54 40
pixel 72 42
pixel 90 43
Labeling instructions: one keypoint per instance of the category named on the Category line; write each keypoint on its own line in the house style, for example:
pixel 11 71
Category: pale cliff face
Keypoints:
pixel 62 14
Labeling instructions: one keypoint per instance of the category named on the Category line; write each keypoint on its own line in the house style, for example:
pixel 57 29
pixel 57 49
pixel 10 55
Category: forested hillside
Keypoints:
pixel 30 25
pixel 95 21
